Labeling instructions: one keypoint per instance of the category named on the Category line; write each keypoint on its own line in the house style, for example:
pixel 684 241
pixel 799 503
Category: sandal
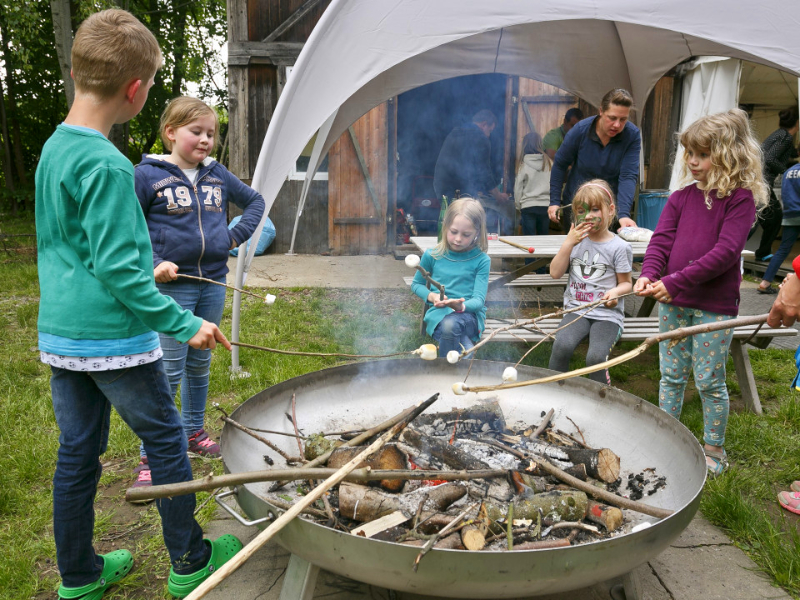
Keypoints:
pixel 720 460
pixel 116 565
pixel 790 501
pixel 768 290
pixel 222 550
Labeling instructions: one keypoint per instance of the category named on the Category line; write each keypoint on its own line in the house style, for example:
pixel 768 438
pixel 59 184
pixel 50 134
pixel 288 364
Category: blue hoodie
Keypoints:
pixel 790 193
pixel 188 223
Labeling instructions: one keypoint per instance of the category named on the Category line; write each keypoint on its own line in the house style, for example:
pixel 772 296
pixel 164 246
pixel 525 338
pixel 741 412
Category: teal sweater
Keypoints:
pixel 95 259
pixel 464 275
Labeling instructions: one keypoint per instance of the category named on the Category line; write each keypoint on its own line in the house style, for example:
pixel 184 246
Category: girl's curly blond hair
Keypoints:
pixel 736 158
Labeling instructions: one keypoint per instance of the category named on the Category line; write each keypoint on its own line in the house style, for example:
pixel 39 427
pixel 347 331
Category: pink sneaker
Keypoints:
pixel 202 445
pixel 790 501
pixel 795 486
pixel 143 479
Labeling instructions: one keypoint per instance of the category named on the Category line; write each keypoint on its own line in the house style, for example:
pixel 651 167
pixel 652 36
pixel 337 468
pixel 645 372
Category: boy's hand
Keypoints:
pixel 207 337
pixel 166 272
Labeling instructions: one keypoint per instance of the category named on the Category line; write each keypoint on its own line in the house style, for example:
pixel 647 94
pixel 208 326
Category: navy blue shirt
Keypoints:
pixel 790 193
pixel 617 163
pixel 464 163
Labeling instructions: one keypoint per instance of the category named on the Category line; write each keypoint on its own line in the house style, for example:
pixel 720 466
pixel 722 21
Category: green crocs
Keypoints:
pixel 116 565
pixel 223 549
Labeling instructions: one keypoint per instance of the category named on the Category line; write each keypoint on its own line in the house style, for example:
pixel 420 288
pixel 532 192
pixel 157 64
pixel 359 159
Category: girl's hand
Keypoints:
pixel 660 293
pixel 612 299
pixel 643 287
pixel 166 272
pixel 457 304
pixel 578 233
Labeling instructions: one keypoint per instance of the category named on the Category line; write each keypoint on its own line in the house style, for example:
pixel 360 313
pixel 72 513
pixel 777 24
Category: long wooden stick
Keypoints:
pixel 427 276
pixel 528 249
pixel 262 439
pixel 676 334
pixel 335 354
pixel 225 285
pixel 279 523
pixel 213 482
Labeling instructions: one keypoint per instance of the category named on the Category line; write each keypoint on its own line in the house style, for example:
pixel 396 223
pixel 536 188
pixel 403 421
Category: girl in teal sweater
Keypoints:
pixel 460 263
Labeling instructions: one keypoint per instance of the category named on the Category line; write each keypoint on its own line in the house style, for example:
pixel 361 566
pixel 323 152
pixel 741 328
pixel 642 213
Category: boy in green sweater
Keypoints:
pixel 100 311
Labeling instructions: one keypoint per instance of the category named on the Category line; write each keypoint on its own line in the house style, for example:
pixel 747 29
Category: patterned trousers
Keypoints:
pixel 705 354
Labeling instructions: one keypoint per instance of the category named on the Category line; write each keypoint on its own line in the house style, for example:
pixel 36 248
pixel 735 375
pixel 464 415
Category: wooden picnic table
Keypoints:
pixel 545 247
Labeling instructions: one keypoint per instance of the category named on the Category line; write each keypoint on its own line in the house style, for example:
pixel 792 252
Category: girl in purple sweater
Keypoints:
pixel 692 264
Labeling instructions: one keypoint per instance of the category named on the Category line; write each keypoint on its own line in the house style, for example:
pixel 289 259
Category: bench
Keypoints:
pixel 637 329
pixel 530 280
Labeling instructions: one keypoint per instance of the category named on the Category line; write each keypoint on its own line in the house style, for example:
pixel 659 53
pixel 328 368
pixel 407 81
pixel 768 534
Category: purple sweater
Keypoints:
pixel 698 250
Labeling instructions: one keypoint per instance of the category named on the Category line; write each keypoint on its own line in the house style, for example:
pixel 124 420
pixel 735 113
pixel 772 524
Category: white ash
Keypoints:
pixel 495 458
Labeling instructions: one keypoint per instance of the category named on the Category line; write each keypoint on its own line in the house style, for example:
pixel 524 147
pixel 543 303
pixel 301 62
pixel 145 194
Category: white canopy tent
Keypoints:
pixel 363 52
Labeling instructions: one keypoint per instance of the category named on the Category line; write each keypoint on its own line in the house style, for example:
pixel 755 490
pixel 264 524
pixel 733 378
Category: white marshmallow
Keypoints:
pixel 458 389
pixel 412 260
pixel 427 352
pixel 270 299
pixel 453 356
pixel 510 374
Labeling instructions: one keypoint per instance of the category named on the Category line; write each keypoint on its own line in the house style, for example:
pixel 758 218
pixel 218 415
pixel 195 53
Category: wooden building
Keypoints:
pixel 385 161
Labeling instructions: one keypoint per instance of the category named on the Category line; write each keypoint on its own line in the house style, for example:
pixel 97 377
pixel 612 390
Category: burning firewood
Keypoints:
pixel 362 503
pixel 449 455
pixel 390 457
pixel 609 517
pixel 553 506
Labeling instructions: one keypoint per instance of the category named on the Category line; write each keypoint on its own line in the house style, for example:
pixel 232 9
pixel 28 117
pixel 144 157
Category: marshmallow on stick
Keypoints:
pixel 412 261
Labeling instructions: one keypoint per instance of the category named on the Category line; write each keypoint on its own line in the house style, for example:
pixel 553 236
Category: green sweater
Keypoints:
pixel 464 275
pixel 95 258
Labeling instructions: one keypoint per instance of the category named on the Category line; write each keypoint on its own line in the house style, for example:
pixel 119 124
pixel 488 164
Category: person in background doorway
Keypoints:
pixel 464 166
pixel 603 147
pixel 532 186
pixel 779 154
pixel 555 137
pixel 790 196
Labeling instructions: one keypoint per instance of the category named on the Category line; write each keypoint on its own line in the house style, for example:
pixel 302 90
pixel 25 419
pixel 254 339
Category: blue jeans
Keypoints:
pixel 185 365
pixel 82 404
pixel 456 330
pixel 788 238
pixel 535 220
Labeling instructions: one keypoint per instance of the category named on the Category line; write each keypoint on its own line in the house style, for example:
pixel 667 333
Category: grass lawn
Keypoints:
pixel 763 449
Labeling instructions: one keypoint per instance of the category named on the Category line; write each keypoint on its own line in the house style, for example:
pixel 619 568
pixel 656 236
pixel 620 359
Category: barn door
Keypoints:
pixel 358 186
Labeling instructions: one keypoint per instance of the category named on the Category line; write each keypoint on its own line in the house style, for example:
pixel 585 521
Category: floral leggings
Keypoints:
pixel 706 354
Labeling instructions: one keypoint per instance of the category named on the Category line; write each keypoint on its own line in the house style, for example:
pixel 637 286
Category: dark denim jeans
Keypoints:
pixel 82 404
pixel 185 365
pixel 788 238
pixel 535 220
pixel 455 330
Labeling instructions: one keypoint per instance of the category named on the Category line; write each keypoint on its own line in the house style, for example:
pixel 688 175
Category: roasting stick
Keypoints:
pixel 268 299
pixel 461 388
pixel 279 523
pixel 329 354
pixel 412 260
pixel 528 249
pixel 363 475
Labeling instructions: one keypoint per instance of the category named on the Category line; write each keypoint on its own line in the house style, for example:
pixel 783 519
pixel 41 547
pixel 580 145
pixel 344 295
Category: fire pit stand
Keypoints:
pixel 362 394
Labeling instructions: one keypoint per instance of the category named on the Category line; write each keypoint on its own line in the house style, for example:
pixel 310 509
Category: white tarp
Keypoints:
pixel 363 52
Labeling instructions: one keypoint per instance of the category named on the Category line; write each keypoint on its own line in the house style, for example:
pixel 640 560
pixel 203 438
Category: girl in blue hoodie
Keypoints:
pixel 184 196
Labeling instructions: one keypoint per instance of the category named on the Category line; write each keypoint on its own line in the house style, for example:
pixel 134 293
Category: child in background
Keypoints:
pixel 790 226
pixel 532 187
pixel 99 311
pixel 184 196
pixel 460 263
pixel 600 265
pixel 692 265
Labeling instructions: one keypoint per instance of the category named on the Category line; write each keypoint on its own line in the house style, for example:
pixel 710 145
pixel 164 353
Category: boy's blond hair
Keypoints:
pixel 111 49
pixel 471 209
pixel 736 159
pixel 180 112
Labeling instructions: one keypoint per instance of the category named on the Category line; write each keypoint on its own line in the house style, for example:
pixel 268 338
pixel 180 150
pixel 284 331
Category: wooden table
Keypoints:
pixel 545 247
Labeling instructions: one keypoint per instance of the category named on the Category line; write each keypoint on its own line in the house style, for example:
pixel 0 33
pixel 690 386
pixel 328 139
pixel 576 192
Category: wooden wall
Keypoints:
pixel 355 224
